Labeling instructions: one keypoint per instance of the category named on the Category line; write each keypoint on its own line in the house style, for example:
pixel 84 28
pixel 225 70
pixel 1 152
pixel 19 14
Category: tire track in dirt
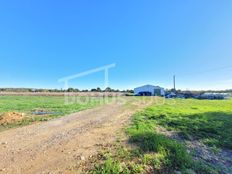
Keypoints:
pixel 58 146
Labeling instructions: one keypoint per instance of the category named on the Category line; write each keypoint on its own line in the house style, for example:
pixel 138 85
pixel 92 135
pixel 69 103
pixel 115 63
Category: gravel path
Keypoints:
pixel 58 146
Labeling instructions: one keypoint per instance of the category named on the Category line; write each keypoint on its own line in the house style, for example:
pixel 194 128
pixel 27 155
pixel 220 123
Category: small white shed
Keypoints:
pixel 149 90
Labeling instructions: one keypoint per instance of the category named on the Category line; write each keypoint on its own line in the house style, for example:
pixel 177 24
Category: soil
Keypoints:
pixel 61 145
pixel 11 117
pixel 221 159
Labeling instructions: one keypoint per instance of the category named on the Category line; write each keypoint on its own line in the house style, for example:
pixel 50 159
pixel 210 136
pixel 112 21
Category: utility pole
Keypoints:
pixel 174 82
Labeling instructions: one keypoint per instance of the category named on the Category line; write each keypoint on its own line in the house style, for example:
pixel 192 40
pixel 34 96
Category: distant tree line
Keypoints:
pixel 198 92
pixel 98 89
pixel 108 89
pixel 209 91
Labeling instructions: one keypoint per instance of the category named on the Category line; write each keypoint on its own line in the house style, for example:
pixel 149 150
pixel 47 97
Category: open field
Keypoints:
pixel 179 136
pixel 42 108
pixel 64 144
pixel 164 136
pixel 209 121
pixel 61 94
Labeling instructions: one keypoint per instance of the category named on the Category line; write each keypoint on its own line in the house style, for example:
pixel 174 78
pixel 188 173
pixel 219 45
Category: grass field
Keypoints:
pixel 209 121
pixel 55 106
pixel 148 150
pixel 206 121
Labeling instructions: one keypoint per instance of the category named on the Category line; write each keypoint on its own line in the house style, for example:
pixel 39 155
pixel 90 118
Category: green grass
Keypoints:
pixel 28 104
pixel 209 121
pixel 204 120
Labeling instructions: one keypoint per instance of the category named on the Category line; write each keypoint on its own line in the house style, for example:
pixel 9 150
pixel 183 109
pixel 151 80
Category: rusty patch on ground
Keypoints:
pixel 11 117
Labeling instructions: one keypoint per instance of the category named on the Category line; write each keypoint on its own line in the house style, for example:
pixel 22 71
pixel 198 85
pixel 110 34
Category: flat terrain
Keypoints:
pixel 178 136
pixel 164 136
pixel 61 94
pixel 28 104
pixel 43 108
pixel 59 145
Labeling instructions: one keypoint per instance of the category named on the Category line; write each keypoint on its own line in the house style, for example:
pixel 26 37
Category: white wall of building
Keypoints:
pixel 149 88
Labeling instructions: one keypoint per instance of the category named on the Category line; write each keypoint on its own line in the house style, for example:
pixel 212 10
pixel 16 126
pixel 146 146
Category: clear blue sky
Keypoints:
pixel 44 40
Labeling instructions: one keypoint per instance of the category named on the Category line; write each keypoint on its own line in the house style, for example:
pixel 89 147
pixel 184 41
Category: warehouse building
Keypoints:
pixel 149 90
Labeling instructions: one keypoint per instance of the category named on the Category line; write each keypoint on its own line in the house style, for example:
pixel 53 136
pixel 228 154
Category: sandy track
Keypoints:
pixel 58 146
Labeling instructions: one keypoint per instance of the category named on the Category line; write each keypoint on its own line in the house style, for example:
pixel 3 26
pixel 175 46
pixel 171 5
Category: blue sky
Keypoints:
pixel 150 41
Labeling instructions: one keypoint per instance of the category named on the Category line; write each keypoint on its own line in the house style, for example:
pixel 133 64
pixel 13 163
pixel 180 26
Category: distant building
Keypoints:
pixel 149 90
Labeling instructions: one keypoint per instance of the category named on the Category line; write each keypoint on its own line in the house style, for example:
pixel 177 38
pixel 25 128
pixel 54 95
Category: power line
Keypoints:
pixel 207 71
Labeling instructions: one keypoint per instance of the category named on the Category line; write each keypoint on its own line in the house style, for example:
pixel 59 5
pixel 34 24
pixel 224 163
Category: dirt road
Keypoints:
pixel 58 146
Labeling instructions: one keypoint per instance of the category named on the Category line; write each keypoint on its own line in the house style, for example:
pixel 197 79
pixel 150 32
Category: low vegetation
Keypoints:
pixel 149 151
pixel 209 121
pixel 41 108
